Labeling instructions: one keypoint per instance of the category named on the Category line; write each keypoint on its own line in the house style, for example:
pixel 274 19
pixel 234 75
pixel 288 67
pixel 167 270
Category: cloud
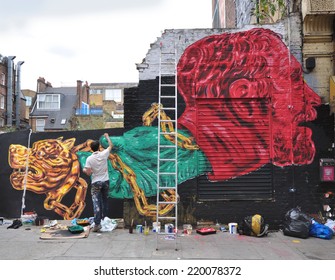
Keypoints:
pixel 62 51
pixel 98 41
pixel 16 15
pixel 16 12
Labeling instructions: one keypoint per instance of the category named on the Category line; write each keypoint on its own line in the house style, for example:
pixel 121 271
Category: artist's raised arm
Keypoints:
pixel 110 144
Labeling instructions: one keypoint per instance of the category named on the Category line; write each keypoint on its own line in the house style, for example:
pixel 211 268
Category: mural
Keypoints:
pixel 252 73
pixel 53 169
pixel 246 103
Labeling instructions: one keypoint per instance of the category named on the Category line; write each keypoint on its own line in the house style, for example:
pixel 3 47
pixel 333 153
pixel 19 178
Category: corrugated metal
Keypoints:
pixel 257 185
pixel 241 171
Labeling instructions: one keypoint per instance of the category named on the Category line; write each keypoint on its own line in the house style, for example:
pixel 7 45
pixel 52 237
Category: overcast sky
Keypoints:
pixel 94 41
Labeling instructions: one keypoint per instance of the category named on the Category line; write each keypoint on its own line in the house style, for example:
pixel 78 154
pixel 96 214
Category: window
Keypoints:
pixel 95 91
pixel 40 124
pixel 3 79
pixel 2 102
pixel 28 100
pixel 113 94
pixel 63 121
pixel 48 101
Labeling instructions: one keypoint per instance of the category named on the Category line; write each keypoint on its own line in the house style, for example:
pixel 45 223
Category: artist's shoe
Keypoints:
pixel 96 228
pixel 16 224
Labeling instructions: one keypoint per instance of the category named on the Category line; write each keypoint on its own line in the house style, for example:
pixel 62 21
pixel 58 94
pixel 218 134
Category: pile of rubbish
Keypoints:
pixel 301 225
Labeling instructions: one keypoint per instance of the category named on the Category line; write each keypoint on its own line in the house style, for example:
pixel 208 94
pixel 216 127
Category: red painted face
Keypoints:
pixel 245 102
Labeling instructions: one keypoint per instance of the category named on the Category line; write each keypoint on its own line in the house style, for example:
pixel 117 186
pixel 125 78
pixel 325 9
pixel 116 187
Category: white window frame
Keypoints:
pixel 40 124
pixel 48 101
pixel 29 99
pixel 114 94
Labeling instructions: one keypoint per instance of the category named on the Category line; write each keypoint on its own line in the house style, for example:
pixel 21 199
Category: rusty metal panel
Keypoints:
pixel 235 135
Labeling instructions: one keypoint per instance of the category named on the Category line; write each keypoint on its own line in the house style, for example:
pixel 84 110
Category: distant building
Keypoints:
pixel 54 108
pixel 12 101
pixel 109 97
pixel 29 96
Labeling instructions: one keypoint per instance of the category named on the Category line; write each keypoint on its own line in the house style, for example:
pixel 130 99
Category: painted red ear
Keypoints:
pixel 244 88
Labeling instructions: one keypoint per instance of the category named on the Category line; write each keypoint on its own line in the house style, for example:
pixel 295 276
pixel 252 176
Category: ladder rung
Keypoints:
pixel 167 146
pixel 167 202
pixel 167 188
pixel 168 133
pixel 166 218
pixel 167 120
pixel 168 74
pixel 168 96
pixel 169 108
pixel 167 159
pixel 168 85
pixel 167 173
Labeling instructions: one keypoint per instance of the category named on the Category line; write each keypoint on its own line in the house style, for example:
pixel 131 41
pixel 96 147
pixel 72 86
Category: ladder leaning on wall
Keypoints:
pixel 167 153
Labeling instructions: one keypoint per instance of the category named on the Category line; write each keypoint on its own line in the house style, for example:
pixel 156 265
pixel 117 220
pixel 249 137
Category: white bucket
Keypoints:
pixel 156 226
pixel 232 228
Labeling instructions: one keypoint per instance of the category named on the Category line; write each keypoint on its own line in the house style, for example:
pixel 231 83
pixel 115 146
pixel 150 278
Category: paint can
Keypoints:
pixel 169 228
pixel 187 229
pixel 139 228
pixel 232 228
pixel 156 226
pixel 146 230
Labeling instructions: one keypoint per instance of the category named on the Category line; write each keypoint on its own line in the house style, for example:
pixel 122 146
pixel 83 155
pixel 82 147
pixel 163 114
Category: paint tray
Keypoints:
pixel 76 229
pixel 82 222
pixel 206 230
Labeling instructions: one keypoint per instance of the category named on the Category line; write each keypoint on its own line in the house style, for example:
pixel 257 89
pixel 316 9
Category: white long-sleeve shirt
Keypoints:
pixel 98 164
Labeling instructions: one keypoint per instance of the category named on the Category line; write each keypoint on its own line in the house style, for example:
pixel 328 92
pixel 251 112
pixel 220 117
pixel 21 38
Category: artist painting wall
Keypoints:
pixel 255 132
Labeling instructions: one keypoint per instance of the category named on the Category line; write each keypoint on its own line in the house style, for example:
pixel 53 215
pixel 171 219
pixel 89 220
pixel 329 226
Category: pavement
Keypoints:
pixel 25 243
pixel 24 254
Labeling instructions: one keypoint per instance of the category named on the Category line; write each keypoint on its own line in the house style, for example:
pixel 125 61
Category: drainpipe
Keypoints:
pixel 10 90
pixel 18 93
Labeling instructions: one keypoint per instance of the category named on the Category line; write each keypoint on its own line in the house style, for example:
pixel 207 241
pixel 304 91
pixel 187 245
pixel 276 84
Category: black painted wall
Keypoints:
pixel 11 199
pixel 304 180
pixel 293 186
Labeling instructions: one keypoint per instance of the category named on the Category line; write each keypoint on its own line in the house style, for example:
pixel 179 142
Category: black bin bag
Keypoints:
pixel 297 223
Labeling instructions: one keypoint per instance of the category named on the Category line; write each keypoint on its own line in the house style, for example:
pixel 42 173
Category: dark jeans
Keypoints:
pixel 99 192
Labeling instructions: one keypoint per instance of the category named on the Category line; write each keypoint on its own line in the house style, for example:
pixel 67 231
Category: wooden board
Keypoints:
pixel 64 234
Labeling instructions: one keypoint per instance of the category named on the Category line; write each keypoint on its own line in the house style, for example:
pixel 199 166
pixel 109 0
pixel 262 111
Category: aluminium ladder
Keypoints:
pixel 167 153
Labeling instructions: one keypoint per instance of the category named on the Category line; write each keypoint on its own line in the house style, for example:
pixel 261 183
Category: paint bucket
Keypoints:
pixel 146 230
pixel 232 228
pixel 169 228
pixel 187 229
pixel 156 226
pixel 139 228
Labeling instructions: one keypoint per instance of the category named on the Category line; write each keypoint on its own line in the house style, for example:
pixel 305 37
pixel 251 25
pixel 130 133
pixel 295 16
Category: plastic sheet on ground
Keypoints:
pixel 108 224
